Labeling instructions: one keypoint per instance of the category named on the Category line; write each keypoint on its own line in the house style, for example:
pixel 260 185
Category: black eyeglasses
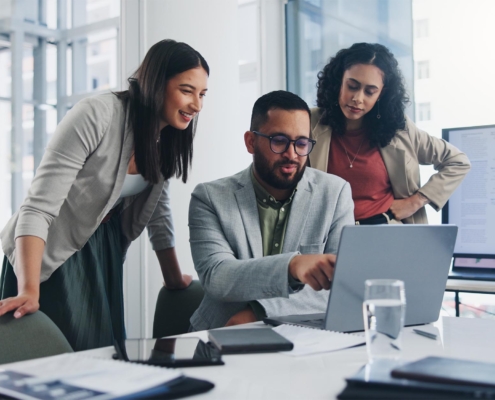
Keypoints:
pixel 280 143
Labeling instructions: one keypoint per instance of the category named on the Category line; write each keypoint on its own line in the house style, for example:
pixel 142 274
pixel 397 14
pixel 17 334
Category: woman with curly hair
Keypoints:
pixel 365 138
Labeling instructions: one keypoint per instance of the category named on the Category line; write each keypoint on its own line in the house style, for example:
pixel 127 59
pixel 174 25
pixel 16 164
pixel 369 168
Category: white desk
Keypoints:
pixel 277 376
pixel 468 286
pixel 463 285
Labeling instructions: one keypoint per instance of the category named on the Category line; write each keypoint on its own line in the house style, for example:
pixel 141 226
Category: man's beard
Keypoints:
pixel 268 175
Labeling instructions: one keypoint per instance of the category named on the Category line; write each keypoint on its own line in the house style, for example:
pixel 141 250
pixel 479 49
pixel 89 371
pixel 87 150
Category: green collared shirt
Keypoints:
pixel 274 216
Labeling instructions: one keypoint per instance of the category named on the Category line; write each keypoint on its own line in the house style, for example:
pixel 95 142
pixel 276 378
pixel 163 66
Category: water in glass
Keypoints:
pixel 383 311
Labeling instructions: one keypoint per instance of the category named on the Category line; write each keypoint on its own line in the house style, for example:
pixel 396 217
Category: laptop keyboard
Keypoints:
pixel 318 323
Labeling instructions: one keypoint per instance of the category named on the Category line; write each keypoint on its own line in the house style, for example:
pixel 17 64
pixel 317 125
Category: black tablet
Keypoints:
pixel 178 352
pixel 240 341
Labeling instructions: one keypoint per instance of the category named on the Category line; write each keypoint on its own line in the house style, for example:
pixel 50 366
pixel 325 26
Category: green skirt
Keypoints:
pixel 84 296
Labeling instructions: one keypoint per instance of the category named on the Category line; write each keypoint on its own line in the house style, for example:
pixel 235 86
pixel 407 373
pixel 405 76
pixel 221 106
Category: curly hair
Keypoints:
pixel 392 100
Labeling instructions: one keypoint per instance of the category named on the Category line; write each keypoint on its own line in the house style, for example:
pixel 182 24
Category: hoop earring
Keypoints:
pixel 378 116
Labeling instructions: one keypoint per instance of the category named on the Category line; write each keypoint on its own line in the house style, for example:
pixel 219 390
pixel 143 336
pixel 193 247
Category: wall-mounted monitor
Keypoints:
pixel 472 205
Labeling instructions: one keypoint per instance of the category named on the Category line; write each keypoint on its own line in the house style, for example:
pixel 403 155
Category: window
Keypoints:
pixel 317 30
pixel 421 28
pixel 33 97
pixel 249 52
pixel 423 69
pixel 424 111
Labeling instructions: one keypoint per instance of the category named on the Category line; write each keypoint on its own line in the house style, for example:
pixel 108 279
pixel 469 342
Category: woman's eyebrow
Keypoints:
pixel 190 86
pixel 359 83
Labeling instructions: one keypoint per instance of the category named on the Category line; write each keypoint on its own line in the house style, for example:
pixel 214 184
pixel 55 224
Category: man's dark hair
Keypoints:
pixel 279 99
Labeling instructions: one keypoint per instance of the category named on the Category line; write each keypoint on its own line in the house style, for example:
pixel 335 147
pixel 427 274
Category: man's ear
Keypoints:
pixel 249 138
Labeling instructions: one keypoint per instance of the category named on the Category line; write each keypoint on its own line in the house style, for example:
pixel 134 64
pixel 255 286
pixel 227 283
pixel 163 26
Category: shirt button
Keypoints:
pixel 276 244
pixel 283 209
pixel 264 200
pixel 271 198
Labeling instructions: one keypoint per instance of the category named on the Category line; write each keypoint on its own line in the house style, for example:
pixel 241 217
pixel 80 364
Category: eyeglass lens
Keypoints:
pixel 280 144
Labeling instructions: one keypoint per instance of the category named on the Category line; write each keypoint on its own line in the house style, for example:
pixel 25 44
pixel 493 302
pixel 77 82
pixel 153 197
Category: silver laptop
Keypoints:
pixel 419 255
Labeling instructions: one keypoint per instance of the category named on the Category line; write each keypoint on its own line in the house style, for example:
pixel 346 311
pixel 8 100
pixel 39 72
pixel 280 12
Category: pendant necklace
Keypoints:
pixel 354 159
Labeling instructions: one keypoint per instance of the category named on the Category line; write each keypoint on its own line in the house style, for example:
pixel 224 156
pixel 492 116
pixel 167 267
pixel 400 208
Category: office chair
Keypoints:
pixel 32 336
pixel 174 308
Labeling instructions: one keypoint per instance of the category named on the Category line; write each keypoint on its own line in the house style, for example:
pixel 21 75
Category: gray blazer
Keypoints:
pixel 79 180
pixel 227 249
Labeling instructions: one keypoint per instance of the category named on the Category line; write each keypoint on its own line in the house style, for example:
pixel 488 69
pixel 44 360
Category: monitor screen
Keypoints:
pixel 472 205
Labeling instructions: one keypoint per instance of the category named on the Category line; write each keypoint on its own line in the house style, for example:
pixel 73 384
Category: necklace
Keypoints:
pixel 357 152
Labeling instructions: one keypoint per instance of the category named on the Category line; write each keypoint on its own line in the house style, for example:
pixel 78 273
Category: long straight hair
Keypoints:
pixel 170 150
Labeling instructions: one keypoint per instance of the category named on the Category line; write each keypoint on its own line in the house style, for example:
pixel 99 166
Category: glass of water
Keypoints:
pixel 384 310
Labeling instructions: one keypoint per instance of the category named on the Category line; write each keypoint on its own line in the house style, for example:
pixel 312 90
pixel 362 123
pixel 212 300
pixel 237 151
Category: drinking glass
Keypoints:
pixel 384 309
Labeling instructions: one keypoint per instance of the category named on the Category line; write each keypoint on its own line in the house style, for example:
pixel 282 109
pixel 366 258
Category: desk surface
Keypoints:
pixel 463 285
pixel 277 376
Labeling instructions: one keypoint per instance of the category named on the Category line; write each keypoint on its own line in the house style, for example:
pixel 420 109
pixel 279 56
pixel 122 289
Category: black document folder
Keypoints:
pixel 448 370
pixel 374 381
pixel 239 341
pixel 182 387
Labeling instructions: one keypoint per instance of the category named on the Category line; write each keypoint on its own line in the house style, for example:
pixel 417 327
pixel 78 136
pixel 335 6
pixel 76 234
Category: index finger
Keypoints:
pixel 332 259
pixel 8 304
pixel 327 268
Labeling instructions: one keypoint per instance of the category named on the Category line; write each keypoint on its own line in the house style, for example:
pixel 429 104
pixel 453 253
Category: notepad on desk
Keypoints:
pixel 80 377
pixel 313 341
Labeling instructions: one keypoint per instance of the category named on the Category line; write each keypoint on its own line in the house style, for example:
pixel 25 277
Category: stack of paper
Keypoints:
pixel 312 341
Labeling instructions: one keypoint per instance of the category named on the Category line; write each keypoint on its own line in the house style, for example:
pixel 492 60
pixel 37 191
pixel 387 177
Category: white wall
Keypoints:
pixel 210 28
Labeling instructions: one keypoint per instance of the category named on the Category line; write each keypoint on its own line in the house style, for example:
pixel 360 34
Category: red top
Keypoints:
pixel 368 177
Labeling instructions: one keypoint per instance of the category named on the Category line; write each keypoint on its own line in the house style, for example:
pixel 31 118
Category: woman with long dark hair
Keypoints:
pixel 102 180
pixel 364 137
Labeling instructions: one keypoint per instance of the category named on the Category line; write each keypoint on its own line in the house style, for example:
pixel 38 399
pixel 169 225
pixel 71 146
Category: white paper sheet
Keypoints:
pixel 313 341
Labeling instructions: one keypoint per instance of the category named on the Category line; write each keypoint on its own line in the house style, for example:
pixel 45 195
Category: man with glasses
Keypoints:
pixel 263 241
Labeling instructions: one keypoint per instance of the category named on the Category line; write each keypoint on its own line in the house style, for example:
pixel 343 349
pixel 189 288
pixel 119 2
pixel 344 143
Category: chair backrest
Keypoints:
pixel 174 308
pixel 32 336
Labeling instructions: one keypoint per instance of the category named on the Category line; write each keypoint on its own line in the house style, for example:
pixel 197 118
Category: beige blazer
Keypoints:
pixel 79 180
pixel 409 149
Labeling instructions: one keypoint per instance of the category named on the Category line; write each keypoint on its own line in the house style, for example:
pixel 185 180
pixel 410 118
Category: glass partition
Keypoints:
pixel 317 29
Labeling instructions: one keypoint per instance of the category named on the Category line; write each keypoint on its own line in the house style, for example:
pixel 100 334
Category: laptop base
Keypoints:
pixel 316 321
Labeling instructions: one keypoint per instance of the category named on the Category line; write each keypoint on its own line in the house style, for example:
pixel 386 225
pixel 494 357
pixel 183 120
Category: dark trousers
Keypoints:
pixel 84 296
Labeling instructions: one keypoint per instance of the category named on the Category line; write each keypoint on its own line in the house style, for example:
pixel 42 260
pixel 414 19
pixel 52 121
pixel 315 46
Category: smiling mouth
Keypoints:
pixel 186 114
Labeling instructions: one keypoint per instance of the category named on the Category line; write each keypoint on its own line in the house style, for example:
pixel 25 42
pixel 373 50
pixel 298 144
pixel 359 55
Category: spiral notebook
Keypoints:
pixel 79 377
pixel 314 341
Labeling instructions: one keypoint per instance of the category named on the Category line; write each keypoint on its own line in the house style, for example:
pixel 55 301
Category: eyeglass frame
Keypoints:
pixel 312 141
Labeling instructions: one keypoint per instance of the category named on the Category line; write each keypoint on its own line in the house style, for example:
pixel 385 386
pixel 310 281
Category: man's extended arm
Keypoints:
pixel 222 275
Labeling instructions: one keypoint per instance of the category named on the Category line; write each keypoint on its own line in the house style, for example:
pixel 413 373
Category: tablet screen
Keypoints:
pixel 171 351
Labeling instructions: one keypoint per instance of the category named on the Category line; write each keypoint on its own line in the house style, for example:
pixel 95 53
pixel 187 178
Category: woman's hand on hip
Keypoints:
pixel 22 304
pixel 403 208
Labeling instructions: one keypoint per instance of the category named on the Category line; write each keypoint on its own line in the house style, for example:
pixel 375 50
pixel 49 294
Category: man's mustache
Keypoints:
pixel 280 163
